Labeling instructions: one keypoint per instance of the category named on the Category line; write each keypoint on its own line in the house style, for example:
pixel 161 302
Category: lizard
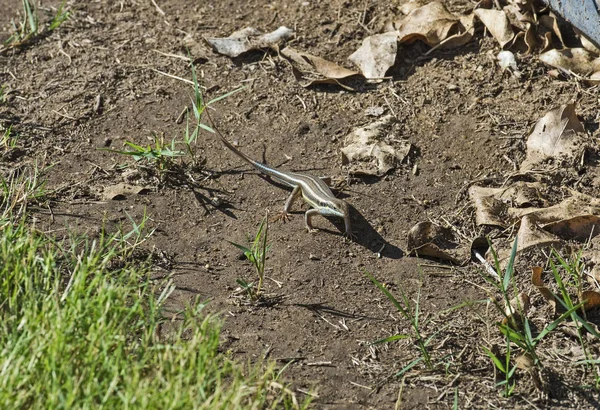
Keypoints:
pixel 313 189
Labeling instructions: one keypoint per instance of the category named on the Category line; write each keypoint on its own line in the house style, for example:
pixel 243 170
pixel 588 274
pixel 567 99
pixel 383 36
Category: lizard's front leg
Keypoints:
pixel 284 216
pixel 308 219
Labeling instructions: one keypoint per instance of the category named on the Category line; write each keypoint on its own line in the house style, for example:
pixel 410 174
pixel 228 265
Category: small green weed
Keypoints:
pixel 60 17
pixel 19 190
pixel 574 268
pixel 256 252
pixel 29 27
pixel 410 312
pixel 8 140
pixel 161 155
pixel 516 327
pixel 128 242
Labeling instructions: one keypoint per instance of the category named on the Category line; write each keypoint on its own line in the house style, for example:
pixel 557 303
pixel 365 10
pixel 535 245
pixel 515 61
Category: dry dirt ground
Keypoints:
pixel 466 119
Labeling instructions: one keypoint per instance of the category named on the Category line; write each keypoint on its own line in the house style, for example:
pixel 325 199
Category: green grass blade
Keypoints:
pixel 510 267
pixel 391 339
pixel 409 366
pixel 387 293
pixel 497 362
pixel 230 93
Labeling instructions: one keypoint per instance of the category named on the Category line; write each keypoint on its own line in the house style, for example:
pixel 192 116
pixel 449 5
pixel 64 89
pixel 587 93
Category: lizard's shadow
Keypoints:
pixel 367 236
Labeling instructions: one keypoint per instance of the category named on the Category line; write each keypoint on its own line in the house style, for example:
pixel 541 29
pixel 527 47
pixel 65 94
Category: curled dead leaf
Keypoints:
pixel 532 235
pixel 431 23
pixel 494 206
pixel 536 280
pixel 557 135
pixel 376 55
pixel 591 300
pixel 248 39
pixel 573 60
pixel 310 69
pixel 426 239
pixel 497 24
pixel 122 190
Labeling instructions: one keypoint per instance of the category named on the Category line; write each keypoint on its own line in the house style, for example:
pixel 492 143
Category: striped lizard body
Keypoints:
pixel 314 191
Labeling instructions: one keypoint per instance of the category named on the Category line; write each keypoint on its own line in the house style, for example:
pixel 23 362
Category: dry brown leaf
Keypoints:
pixel 429 240
pixel 431 23
pixel 366 152
pixel 412 5
pixel 489 210
pixel 573 60
pixel 461 38
pixel 122 190
pixel 587 44
pixel 591 300
pixel 549 21
pixel 532 235
pixel 248 39
pixel 579 228
pixel 494 206
pixel 524 362
pixel 376 54
pixel 536 279
pixel 310 69
pixel 556 135
pixel 497 24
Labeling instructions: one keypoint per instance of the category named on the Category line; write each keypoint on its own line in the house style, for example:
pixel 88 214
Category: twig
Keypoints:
pixel 320 364
pixel 184 58
pixel 158 8
pixel 173 76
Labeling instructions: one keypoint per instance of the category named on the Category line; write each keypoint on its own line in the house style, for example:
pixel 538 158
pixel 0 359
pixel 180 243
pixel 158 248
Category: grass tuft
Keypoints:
pixel 76 332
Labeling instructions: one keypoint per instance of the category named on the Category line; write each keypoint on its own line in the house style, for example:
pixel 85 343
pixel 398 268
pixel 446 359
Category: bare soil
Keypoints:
pixel 466 119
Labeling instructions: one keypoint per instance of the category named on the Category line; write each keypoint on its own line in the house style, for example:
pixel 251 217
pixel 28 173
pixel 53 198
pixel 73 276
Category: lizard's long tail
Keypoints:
pixel 230 145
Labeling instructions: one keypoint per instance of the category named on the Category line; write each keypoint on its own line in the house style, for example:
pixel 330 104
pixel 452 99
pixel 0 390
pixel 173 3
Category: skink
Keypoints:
pixel 314 191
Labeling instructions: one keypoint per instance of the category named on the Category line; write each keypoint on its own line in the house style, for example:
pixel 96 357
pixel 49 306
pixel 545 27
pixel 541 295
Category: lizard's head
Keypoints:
pixel 334 207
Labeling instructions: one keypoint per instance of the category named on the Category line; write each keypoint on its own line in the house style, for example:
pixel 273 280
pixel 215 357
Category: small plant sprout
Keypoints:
pixel 61 16
pixel 574 267
pixel 29 27
pixel 516 327
pixel 19 190
pixel 161 154
pixel 410 311
pixel 199 107
pixel 8 140
pixel 130 241
pixel 256 252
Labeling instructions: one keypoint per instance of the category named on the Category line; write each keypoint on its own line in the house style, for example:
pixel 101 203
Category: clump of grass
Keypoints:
pixel 8 139
pixel 29 27
pixel 20 189
pixel 77 333
pixel 160 154
pixel 410 311
pixel 516 327
pixel 163 154
pixel 256 252
pixel 574 268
